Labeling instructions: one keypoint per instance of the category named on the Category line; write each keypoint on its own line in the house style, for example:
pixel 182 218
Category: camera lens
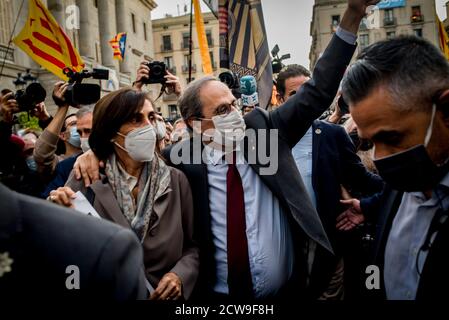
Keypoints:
pixel 156 70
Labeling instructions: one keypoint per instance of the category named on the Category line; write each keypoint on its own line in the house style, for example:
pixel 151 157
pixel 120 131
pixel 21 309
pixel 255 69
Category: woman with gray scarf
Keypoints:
pixel 139 191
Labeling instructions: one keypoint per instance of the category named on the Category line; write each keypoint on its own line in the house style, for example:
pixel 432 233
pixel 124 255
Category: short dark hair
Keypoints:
pixel 290 71
pixel 110 113
pixel 411 68
pixel 64 127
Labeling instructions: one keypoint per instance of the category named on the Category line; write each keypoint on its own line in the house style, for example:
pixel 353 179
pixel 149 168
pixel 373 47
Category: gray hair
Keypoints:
pixel 190 103
pixel 85 110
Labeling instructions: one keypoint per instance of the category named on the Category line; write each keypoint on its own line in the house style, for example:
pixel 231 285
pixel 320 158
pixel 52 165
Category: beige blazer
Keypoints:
pixel 168 245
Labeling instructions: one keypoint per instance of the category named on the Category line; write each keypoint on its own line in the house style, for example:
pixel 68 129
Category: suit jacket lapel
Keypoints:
pixel 105 196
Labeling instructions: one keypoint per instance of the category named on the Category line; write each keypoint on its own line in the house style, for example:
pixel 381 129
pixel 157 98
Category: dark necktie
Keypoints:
pixel 239 274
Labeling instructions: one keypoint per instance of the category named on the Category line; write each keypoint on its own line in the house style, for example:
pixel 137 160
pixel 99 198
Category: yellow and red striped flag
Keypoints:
pixel 43 39
pixel 118 44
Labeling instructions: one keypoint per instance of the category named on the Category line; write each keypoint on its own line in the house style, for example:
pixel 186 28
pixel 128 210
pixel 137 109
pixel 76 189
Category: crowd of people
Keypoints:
pixel 187 211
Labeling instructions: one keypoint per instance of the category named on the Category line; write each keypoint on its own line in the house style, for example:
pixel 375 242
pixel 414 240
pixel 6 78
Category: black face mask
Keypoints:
pixel 412 170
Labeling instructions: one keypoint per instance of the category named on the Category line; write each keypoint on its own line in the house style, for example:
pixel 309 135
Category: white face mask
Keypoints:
pixel 229 129
pixel 161 130
pixel 140 143
pixel 85 144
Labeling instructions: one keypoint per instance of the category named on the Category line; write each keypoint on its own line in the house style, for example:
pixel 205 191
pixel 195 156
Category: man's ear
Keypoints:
pixel 443 104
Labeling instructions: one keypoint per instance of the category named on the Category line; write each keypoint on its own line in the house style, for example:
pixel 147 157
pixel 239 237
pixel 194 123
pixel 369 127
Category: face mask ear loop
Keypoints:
pixel 430 128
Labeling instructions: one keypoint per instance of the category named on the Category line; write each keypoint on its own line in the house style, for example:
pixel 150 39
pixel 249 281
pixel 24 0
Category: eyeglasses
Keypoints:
pixel 222 110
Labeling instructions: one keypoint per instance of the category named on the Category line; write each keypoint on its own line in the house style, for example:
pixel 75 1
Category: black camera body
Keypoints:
pixel 158 71
pixel 28 98
pixel 230 79
pixel 78 93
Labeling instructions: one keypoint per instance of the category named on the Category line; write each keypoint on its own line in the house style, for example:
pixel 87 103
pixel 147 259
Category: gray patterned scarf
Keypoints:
pixel 153 182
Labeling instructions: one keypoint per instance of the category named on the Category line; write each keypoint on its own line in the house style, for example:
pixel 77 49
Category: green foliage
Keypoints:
pixel 27 121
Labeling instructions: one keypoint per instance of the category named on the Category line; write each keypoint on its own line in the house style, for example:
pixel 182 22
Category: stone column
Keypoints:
pixel 86 34
pixel 107 25
pixel 57 10
pixel 123 25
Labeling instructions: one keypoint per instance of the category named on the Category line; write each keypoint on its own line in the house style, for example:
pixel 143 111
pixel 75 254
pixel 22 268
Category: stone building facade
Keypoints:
pixel 398 17
pixel 99 22
pixel 171 45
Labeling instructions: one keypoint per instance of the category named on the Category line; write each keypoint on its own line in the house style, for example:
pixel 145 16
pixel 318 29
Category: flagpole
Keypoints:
pixel 191 41
pixel 10 39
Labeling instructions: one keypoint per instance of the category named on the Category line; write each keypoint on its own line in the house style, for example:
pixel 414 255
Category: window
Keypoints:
pixel 335 22
pixel 186 60
pixel 210 42
pixel 364 41
pixel 173 111
pixel 168 62
pixel 133 20
pixel 212 62
pixel 185 40
pixel 389 17
pixel 96 3
pixel 391 34
pixel 166 43
pixel 416 14
pixel 418 32
pixel 145 31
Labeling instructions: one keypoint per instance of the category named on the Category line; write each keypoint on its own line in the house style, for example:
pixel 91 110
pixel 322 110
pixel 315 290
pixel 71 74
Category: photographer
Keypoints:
pixel 61 127
pixel 14 171
pixel 144 77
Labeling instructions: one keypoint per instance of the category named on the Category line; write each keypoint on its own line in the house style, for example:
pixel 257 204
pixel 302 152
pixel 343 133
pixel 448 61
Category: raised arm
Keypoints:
pixel 297 114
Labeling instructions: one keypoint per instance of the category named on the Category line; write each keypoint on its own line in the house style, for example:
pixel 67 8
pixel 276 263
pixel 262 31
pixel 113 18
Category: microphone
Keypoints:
pixel 248 88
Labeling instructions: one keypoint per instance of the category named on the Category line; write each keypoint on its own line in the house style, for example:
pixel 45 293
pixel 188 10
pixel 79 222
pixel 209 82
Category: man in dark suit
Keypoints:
pixel 253 215
pixel 327 160
pixel 51 252
pixel 279 198
pixel 398 92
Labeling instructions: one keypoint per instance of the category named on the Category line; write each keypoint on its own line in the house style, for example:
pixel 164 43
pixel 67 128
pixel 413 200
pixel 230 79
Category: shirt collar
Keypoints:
pixel 216 156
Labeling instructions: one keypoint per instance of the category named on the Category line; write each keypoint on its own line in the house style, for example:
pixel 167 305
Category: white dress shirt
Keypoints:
pixel 270 246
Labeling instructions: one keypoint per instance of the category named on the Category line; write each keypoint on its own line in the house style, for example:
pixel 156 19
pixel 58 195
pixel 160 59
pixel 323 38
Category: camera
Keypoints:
pixel 158 70
pixel 78 93
pixel 230 79
pixel 28 99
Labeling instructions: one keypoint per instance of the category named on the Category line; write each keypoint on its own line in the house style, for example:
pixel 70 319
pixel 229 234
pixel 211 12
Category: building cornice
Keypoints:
pixel 150 4
pixel 180 20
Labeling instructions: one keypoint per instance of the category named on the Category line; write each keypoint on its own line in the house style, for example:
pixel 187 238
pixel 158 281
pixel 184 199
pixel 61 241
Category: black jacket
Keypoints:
pixel 43 239
pixel 434 280
pixel 292 121
pixel 335 163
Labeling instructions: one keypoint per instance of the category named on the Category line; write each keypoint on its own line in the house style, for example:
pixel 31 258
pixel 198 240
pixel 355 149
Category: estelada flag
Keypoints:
pixel 43 39
pixel 118 44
